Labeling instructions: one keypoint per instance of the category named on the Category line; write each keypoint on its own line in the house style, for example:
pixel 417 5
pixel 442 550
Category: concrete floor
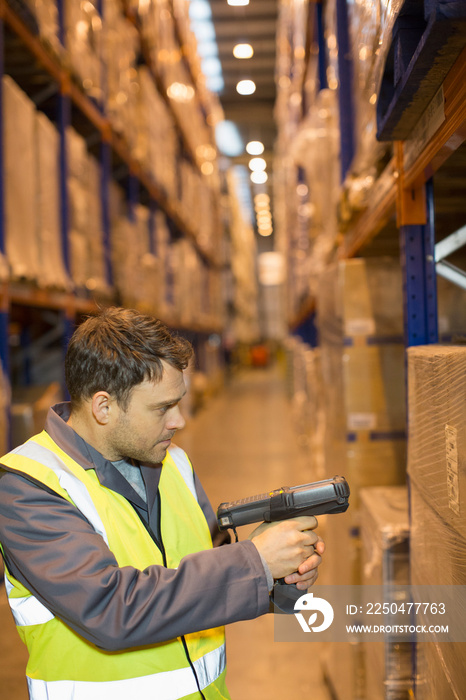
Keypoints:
pixel 243 442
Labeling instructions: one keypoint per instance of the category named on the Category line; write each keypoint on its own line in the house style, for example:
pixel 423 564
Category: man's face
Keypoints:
pixel 144 430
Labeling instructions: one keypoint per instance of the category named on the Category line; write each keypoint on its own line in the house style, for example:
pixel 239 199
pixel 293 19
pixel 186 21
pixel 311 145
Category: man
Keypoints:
pixel 105 530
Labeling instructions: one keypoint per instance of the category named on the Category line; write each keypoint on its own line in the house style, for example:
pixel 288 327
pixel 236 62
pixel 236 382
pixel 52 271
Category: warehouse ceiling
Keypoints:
pixel 253 24
pixel 252 114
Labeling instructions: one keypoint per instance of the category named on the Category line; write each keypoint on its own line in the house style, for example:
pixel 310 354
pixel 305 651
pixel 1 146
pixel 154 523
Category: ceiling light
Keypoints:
pixel 207 49
pixel 265 231
pixel 199 9
pixel 228 138
pixel 207 168
pixel 257 164
pixel 302 189
pixel 238 3
pixel 246 87
pixel 203 30
pixel 211 66
pixel 261 198
pixel 179 92
pixel 243 51
pixel 255 148
pixel 261 208
pixel 264 220
pixel 215 83
pixel 259 177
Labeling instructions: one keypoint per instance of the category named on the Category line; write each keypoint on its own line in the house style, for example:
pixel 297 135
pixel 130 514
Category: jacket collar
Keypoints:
pixel 89 458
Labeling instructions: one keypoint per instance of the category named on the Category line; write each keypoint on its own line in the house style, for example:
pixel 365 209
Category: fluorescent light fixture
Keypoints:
pixel 215 83
pixel 211 66
pixel 243 189
pixel 259 177
pixel 207 49
pixel 256 164
pixel 255 148
pixel 228 138
pixel 199 9
pixel 243 51
pixel 204 30
pixel 246 87
pixel 238 3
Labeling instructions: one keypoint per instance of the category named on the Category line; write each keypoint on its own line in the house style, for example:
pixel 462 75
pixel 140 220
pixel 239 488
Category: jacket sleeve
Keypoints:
pixel 53 550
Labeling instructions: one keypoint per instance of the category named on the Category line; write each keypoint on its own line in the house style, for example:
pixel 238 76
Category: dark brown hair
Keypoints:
pixel 117 350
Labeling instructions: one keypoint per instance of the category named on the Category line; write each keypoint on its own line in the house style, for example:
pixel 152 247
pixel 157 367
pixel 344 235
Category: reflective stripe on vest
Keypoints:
pixel 67 481
pixel 169 685
pixel 27 610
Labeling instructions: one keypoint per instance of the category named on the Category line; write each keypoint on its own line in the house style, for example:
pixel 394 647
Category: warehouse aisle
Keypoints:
pixel 243 442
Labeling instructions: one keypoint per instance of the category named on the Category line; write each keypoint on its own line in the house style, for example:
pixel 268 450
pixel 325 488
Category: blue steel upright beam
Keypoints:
pixel 417 243
pixel 63 122
pixel 152 227
pixel 4 305
pixel 345 87
pixel 105 175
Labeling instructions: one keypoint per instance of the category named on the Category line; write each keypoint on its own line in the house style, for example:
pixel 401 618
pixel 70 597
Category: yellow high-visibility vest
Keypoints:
pixel 63 665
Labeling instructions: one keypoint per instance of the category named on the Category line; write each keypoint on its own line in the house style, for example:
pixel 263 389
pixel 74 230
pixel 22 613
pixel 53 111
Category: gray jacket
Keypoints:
pixel 53 550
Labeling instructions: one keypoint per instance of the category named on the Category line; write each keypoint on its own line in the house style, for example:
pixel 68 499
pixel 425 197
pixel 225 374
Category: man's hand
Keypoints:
pixel 290 549
pixel 308 572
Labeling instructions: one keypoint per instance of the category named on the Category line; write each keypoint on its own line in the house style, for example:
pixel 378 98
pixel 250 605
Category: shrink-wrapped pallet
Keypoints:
pixel 97 266
pixel 20 180
pixel 435 677
pixel 385 561
pixel 437 430
pixel 78 208
pixel 436 465
pixel 157 141
pixel 362 354
pixel 84 45
pixel 47 142
pixel 359 316
pixel 120 52
pixel 147 263
pixel 46 14
pixel 437 559
pixel 86 235
pixel 370 29
pixel 137 258
pixel 315 148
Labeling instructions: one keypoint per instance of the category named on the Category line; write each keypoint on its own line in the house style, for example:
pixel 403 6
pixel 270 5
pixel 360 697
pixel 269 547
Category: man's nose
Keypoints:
pixel 175 420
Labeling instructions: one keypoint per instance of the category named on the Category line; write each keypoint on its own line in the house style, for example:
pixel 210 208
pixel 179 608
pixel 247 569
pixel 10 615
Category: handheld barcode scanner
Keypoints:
pixel 317 498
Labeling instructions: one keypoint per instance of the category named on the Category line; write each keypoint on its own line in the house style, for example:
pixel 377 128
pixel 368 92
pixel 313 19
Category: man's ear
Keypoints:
pixel 101 404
